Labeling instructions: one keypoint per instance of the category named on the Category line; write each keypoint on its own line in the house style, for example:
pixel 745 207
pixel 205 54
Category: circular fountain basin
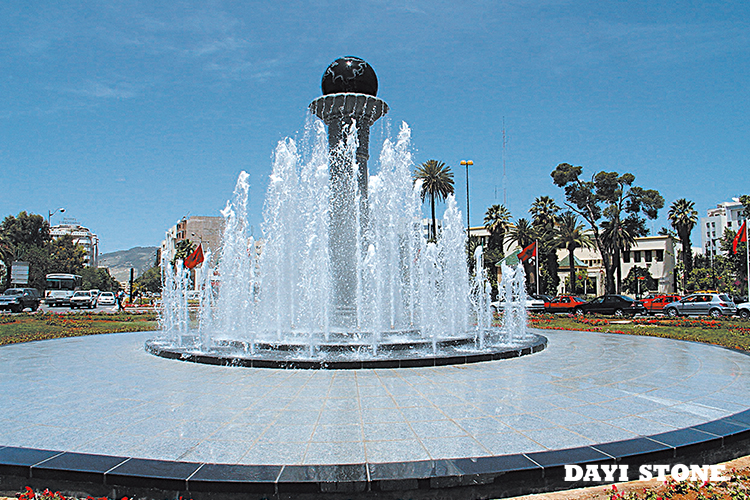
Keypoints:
pixel 344 353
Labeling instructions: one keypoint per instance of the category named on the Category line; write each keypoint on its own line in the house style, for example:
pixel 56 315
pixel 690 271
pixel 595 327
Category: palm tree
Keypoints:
pixel 437 181
pixel 619 236
pixel 497 221
pixel 524 235
pixel 570 234
pixel 683 218
pixel 544 213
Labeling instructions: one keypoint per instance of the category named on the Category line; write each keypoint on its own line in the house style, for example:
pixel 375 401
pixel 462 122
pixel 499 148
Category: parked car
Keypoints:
pixel 106 299
pixel 532 304
pixel 744 310
pixel 713 304
pixel 563 304
pixel 619 305
pixel 542 297
pixel 18 299
pixel 83 298
pixel 657 303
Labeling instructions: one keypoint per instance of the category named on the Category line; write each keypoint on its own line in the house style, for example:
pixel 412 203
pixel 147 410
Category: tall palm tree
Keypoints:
pixel 524 235
pixel 619 236
pixel 683 217
pixel 437 181
pixel 544 213
pixel 497 221
pixel 571 234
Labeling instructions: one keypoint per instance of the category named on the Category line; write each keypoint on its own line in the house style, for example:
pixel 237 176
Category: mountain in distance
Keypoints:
pixel 119 263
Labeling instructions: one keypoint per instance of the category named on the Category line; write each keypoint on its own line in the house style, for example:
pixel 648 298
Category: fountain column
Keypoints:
pixel 349 86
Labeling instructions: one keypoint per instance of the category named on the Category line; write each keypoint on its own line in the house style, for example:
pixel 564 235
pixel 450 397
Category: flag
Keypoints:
pixel 194 258
pixel 528 252
pixel 740 237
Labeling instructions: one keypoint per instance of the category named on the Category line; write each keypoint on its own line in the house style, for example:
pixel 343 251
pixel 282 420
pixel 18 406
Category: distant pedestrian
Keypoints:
pixel 120 296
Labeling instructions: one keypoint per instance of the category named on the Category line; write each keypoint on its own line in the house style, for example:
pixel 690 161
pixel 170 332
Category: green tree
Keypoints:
pixel 735 263
pixel 544 212
pixel 609 197
pixel 570 235
pixel 582 285
pixel 150 280
pixel 523 234
pixel 24 238
pixel 620 237
pixel 497 222
pixel 683 217
pixel 633 283
pixel 66 256
pixel 437 182
pixel 98 279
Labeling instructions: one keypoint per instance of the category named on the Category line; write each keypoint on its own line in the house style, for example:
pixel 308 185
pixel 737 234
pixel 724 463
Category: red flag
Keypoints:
pixel 528 252
pixel 740 237
pixel 194 258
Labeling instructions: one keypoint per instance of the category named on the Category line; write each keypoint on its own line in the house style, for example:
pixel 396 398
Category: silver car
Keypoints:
pixel 744 310
pixel 712 304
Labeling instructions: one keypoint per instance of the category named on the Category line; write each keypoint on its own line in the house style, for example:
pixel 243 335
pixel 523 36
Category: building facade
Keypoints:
pixel 81 236
pixel 654 253
pixel 204 230
pixel 198 229
pixel 726 215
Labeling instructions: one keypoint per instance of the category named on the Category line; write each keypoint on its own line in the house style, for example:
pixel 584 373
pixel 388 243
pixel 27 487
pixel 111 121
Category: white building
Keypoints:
pixel 81 236
pixel 726 215
pixel 654 253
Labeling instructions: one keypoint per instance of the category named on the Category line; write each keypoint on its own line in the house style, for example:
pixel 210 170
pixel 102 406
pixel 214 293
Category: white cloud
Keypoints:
pixel 106 90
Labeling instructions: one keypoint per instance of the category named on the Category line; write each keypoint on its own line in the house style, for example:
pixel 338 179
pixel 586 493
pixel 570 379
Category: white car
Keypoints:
pixel 532 304
pixel 743 310
pixel 83 299
pixel 106 299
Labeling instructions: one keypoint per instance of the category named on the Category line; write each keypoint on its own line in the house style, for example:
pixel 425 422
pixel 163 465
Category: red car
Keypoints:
pixel 656 304
pixel 563 304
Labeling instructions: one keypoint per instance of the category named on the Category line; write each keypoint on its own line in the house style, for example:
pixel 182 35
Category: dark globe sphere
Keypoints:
pixel 350 74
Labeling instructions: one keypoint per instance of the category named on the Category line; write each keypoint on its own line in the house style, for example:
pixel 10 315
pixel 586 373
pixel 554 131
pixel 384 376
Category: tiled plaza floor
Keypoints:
pixel 106 395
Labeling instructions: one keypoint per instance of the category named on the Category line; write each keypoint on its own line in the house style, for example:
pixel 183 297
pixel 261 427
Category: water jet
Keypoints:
pixel 345 278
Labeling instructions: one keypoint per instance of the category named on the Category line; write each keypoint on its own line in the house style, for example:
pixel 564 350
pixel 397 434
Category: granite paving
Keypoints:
pixel 105 395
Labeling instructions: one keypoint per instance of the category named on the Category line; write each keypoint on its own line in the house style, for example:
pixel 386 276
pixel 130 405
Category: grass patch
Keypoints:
pixel 726 332
pixel 37 326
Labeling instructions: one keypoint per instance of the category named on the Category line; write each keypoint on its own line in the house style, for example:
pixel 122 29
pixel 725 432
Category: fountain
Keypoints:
pixel 345 278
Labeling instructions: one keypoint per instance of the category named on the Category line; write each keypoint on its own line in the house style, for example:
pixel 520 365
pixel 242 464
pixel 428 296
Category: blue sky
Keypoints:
pixel 132 115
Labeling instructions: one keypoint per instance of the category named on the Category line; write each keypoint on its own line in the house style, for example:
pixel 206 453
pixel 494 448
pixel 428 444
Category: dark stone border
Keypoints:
pixel 480 477
pixel 535 344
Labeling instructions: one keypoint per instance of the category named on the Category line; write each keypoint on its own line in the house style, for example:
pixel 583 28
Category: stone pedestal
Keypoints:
pixel 339 111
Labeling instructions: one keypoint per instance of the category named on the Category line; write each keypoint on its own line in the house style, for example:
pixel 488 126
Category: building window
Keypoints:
pixel 647 255
pixel 637 256
pixel 626 257
pixel 660 256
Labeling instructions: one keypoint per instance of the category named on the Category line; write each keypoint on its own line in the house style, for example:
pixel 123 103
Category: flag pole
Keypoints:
pixel 537 267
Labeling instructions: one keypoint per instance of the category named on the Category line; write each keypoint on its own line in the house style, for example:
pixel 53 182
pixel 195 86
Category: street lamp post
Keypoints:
pixel 468 225
pixel 50 214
